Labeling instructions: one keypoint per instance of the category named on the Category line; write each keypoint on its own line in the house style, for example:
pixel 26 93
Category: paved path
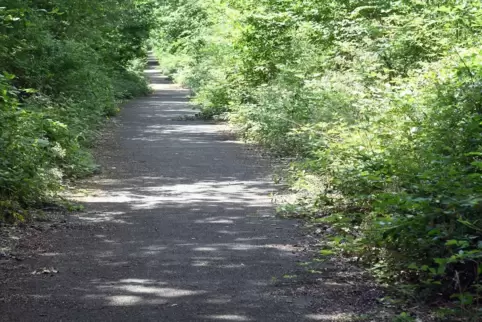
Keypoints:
pixel 181 229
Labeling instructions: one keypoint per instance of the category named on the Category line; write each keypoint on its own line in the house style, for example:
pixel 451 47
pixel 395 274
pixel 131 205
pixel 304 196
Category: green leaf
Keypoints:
pixel 413 266
pixel 451 242
pixel 326 252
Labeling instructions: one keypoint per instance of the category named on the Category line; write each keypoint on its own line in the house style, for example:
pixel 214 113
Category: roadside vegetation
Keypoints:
pixel 64 68
pixel 379 102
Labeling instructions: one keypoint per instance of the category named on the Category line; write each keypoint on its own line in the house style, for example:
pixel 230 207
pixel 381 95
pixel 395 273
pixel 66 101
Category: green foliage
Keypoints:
pixel 64 68
pixel 379 100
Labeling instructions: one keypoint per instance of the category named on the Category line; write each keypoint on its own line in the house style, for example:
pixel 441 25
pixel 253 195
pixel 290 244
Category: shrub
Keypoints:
pixel 64 69
pixel 379 101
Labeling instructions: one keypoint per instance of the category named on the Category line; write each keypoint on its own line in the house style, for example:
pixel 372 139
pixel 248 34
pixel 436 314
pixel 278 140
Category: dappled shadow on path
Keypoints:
pixel 179 227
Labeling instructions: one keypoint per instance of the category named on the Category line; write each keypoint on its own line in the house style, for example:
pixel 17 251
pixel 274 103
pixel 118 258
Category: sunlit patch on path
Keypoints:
pixel 178 227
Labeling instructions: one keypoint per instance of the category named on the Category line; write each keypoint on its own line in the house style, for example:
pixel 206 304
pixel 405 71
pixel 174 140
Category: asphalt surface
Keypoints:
pixel 178 227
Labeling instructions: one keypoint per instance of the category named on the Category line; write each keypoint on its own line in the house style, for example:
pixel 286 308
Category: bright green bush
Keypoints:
pixel 380 103
pixel 64 68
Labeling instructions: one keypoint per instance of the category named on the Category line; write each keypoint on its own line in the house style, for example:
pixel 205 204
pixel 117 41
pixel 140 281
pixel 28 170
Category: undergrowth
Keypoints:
pixel 64 68
pixel 379 102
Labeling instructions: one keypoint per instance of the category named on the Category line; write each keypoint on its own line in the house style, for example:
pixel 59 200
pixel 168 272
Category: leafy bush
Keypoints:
pixel 64 68
pixel 378 100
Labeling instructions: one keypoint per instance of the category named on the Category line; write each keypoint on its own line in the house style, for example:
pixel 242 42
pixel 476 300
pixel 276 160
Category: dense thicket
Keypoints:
pixel 380 101
pixel 64 67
